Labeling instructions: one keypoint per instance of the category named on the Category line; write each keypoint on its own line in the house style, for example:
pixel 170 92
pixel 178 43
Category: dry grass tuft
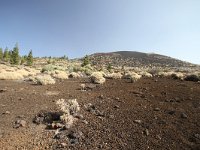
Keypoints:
pixel 60 75
pixel 4 75
pixel 44 79
pixel 114 76
pixel 132 76
pixel 97 77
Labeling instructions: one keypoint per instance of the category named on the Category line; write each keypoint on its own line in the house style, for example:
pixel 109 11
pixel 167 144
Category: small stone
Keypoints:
pixel 56 125
pixel 158 137
pixel 20 123
pixel 171 112
pixel 79 116
pixel 138 121
pixel 101 96
pixel 3 90
pixel 146 132
pixel 111 116
pixel 6 113
pixel 183 115
pixel 197 136
pixel 156 109
pixel 20 98
pixel 116 106
pixel 85 122
pixel 63 145
pixel 116 98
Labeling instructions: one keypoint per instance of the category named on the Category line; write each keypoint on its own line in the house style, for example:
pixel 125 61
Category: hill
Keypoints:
pixel 137 59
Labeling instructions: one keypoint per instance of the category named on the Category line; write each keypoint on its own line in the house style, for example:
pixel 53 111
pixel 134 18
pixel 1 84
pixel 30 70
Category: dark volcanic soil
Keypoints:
pixel 155 113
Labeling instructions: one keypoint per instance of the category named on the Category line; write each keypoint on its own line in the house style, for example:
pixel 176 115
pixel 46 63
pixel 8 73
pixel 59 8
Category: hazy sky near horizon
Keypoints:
pixel 79 27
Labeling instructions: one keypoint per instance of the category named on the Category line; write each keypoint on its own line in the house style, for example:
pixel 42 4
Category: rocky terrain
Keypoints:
pixel 137 59
pixel 152 113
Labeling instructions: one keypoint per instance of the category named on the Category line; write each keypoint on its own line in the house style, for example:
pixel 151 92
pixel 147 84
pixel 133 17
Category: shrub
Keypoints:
pixel 44 79
pixel 114 76
pixel 74 75
pixel 60 75
pixel 146 74
pixel 4 75
pixel 177 75
pixel 68 108
pixel 97 77
pixel 132 76
pixel 192 77
pixel 49 68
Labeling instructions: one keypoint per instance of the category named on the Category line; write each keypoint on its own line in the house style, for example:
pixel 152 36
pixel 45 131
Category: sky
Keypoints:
pixel 79 27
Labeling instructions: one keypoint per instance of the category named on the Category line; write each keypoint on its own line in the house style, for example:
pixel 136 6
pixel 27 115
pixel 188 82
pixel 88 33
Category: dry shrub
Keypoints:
pixel 44 79
pixel 97 77
pixel 74 75
pixel 4 75
pixel 114 76
pixel 68 108
pixel 146 74
pixel 133 76
pixel 177 75
pixel 165 74
pixel 60 75
pixel 23 72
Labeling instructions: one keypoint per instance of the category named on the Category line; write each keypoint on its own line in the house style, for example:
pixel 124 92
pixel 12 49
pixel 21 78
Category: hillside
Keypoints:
pixel 137 59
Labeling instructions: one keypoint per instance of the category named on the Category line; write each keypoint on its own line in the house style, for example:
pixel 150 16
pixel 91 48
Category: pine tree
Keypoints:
pixel 30 58
pixel 109 67
pixel 1 54
pixel 86 61
pixel 15 58
pixel 6 55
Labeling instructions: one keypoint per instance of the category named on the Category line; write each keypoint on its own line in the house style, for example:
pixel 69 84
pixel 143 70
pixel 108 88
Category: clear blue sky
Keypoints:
pixel 80 27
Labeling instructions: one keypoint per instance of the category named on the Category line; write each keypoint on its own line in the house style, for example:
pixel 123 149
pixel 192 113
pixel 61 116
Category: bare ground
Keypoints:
pixel 153 113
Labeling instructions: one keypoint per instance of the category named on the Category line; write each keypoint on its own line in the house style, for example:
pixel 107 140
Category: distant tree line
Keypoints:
pixel 13 56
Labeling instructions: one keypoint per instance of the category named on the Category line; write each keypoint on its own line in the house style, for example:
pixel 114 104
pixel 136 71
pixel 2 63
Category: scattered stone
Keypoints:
pixel 117 98
pixel 146 132
pixel 21 98
pixel 138 121
pixel 101 96
pixel 156 109
pixel 116 106
pixel 158 137
pixel 171 112
pixel 20 123
pixel 183 115
pixel 79 116
pixel 111 116
pixel 56 125
pixel 63 145
pixel 85 122
pixel 3 90
pixel 74 136
pixel 197 136
pixel 91 108
pixel 6 113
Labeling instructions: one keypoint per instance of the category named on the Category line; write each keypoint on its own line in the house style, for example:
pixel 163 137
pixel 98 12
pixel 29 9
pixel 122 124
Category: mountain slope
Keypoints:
pixel 136 59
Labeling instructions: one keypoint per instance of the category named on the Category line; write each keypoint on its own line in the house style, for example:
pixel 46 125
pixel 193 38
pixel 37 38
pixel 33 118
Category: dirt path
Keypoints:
pixel 152 113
